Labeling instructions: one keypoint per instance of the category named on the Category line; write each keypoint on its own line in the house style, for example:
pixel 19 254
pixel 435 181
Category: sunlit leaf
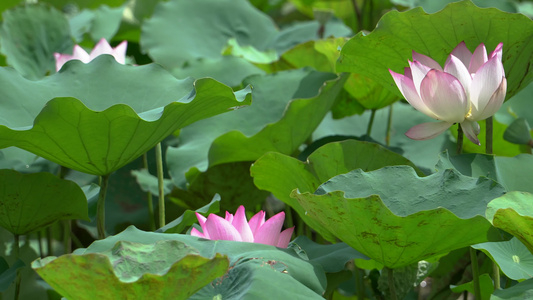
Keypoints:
pixel 256 271
pixel 397 218
pixel 511 172
pixel 513 213
pixel 279 104
pixel 163 270
pixel 128 110
pixel 513 258
pixel 280 174
pixel 436 35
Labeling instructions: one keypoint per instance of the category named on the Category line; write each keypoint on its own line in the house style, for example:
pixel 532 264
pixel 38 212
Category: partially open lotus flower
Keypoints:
pixel 102 47
pixel 470 88
pixel 237 228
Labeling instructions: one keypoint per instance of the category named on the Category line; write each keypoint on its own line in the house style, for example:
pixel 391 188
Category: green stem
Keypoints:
pixel 496 275
pixel 359 282
pixel 389 125
pixel 67 238
pixel 459 139
pixel 475 273
pixel 161 186
pixel 151 216
pixel 40 240
pixel 300 227
pixel 392 287
pixel 489 137
pixel 370 122
pixel 49 249
pixel 16 249
pixel 358 15
pixel 288 216
pixel 489 123
pixel 100 207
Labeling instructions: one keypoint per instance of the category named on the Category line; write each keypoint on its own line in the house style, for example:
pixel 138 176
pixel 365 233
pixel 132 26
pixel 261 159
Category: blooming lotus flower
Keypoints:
pixel 102 47
pixel 237 228
pixel 470 88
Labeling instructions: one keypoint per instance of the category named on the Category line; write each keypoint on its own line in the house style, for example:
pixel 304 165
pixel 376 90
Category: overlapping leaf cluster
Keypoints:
pixel 255 100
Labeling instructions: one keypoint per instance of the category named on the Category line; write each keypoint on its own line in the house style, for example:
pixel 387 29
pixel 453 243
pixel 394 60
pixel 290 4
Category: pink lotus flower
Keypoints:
pixel 471 88
pixel 237 228
pixel 102 47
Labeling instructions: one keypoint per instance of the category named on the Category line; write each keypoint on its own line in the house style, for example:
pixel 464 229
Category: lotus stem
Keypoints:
pixel 67 242
pixel 389 125
pixel 475 273
pixel 160 184
pixel 459 139
pixel 359 282
pixel 16 249
pixel 100 207
pixel 489 135
pixel 496 275
pixel 151 216
pixel 358 15
pixel 67 238
pixel 370 122
pixel 288 216
pixel 392 287
pixel 40 240
pixel 48 233
pixel 489 123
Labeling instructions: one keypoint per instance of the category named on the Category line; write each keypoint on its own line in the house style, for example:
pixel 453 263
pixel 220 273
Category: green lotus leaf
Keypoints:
pixel 188 217
pixel 486 287
pixel 520 291
pixel 60 4
pixel 513 173
pixel 196 38
pixel 8 274
pixel 280 174
pixel 513 258
pixel 279 104
pixel 22 27
pixel 257 271
pixel 399 33
pixel 229 70
pixel 332 258
pixel 126 110
pixel 231 181
pixel 298 122
pixel 38 200
pixel 163 270
pixel 388 214
pixel 513 213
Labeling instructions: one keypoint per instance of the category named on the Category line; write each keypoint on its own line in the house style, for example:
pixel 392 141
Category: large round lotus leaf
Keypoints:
pixel 280 174
pixel 163 270
pixel 332 257
pixel 521 291
pixel 322 55
pixel 397 218
pixel 181 30
pixel 126 110
pixel 269 270
pixel 30 202
pixel 399 33
pixel 513 213
pixel 30 35
pixel 513 173
pixel 274 97
pixel 514 259
pixel 298 122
